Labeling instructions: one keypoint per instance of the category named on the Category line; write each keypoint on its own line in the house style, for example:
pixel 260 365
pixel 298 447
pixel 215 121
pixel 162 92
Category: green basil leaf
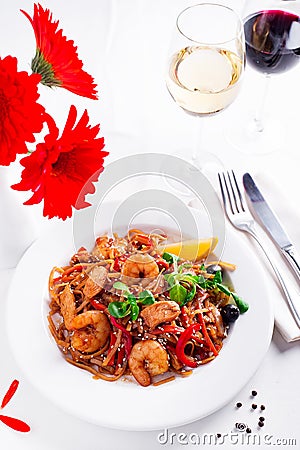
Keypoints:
pixel 187 265
pixel 201 279
pixel 184 266
pixel 170 258
pixel 119 309
pixel 178 294
pixel 218 277
pixel 170 278
pixel 189 277
pixel 191 294
pixel 146 298
pixel 121 286
pixel 202 267
pixel 202 282
pixel 134 311
pixel 223 288
pixel 131 299
pixel 241 304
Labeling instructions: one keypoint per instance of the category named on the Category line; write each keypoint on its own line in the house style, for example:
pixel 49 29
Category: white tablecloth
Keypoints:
pixel 124 45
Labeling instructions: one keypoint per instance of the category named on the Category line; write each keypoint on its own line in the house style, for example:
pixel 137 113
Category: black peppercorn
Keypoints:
pixel 261 423
pixel 261 419
pixel 248 430
pixel 219 435
pixel 253 393
pixel 239 404
pixel 254 406
pixel 262 407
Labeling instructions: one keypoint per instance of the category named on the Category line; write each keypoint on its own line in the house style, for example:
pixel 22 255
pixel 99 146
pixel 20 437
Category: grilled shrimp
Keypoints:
pixel 91 331
pixel 95 281
pixel 140 265
pixel 67 306
pixel 159 312
pixel 147 359
pixel 109 248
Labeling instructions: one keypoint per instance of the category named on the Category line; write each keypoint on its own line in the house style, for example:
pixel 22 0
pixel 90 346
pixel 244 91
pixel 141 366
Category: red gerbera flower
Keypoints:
pixel 56 58
pixel 20 114
pixel 62 170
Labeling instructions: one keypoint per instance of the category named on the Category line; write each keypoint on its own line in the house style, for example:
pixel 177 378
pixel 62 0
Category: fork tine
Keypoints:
pixel 222 191
pixel 235 193
pixel 231 193
pixel 224 187
pixel 238 191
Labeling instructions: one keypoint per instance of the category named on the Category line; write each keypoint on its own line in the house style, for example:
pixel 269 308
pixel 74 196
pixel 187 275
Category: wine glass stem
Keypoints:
pixel 198 144
pixel 260 111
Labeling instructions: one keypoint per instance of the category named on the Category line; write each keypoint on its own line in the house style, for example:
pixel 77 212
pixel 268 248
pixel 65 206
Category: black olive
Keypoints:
pixel 213 268
pixel 230 313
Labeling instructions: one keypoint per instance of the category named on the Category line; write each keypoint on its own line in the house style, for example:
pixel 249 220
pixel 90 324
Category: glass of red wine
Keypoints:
pixel 272 38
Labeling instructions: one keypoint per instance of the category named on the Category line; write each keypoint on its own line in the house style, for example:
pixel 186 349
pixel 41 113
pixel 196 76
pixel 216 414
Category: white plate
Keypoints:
pixel 122 404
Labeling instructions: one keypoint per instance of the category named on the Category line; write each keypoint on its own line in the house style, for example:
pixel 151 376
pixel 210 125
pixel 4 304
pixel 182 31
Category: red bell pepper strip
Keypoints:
pixel 181 343
pixel 206 335
pixel 77 267
pixel 140 240
pixel 162 264
pixel 167 329
pixel 126 334
pixel 56 279
pixel 97 305
pixel 120 357
pixel 15 424
pixel 184 316
pixel 65 276
pixel 10 392
pixel 118 261
pixel 113 339
pixel 116 265
pixel 145 240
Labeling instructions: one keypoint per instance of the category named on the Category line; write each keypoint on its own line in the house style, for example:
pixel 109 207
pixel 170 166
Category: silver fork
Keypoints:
pixel 241 218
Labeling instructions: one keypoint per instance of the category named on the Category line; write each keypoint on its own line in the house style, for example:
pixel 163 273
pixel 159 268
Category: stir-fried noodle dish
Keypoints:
pixel 129 307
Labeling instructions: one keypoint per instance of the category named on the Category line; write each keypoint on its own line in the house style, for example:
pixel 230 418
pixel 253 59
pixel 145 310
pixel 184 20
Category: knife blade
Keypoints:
pixel 271 223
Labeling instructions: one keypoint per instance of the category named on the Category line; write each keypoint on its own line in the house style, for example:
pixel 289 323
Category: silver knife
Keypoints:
pixel 271 223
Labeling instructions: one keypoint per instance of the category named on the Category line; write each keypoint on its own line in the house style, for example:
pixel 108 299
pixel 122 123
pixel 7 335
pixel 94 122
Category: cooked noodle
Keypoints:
pixel 111 332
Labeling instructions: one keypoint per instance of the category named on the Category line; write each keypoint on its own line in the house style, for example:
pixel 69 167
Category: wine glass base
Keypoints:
pixel 252 139
pixel 206 163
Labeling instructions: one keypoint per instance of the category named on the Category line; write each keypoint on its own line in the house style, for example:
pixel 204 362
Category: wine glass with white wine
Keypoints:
pixel 206 62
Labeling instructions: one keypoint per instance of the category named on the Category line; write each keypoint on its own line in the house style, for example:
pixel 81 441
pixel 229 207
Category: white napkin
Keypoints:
pixel 284 320
pixel 281 192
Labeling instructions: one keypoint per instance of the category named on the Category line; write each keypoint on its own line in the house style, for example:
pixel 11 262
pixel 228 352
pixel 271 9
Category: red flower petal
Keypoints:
pixel 62 170
pixel 56 57
pixel 15 424
pixel 20 114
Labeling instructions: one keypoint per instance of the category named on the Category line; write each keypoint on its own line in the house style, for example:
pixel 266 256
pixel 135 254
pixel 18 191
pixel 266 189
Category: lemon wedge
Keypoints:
pixel 191 249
